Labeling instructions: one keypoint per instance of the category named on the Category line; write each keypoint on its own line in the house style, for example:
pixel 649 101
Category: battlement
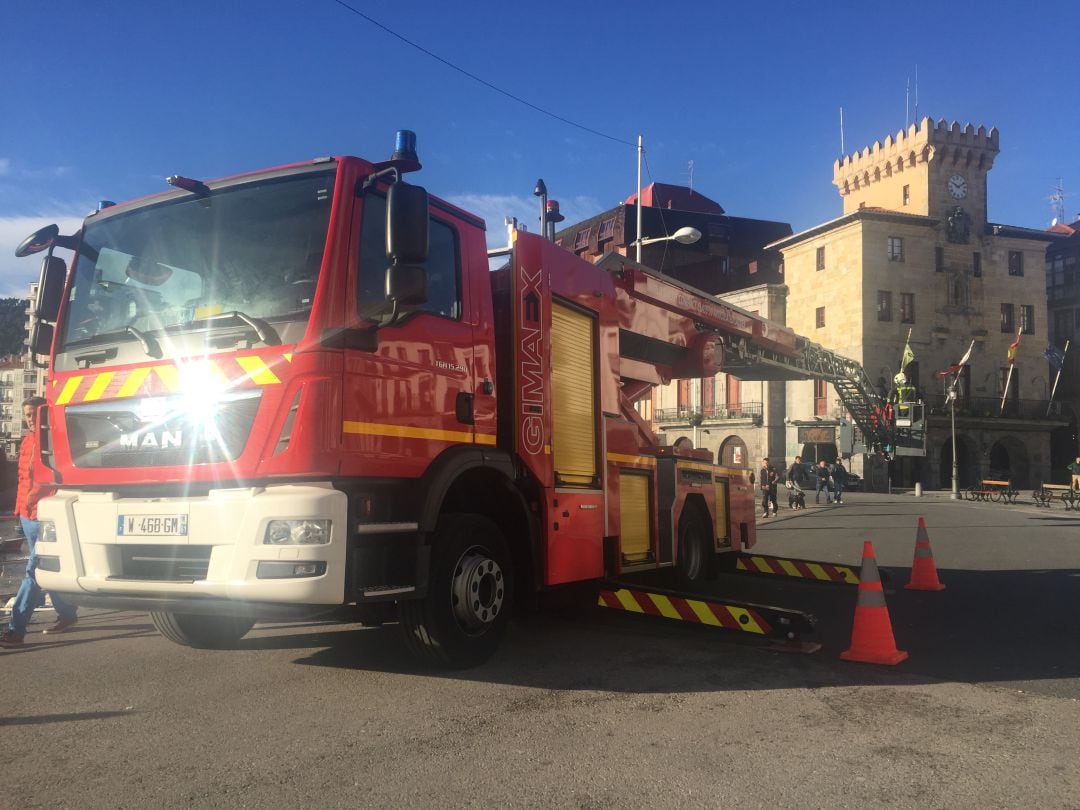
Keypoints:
pixel 918 144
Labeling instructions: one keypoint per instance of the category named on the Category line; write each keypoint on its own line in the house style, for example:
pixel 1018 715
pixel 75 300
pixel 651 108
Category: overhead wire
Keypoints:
pixel 478 79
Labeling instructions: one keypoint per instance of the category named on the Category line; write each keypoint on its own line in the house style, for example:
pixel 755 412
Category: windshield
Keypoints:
pixel 253 248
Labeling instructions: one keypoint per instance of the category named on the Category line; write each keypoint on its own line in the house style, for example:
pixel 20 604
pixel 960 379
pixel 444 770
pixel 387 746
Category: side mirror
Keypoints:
pixel 406 285
pixel 406 244
pixel 51 289
pixel 406 224
pixel 41 338
pixel 38 241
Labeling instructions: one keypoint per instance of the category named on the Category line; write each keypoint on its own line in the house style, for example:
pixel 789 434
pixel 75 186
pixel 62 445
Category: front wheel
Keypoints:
pixel 464 615
pixel 202 631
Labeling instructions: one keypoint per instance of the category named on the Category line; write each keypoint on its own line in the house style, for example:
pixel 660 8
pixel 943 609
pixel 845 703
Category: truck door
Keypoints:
pixel 411 395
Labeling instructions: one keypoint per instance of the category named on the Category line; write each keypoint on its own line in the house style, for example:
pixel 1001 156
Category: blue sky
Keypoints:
pixel 103 100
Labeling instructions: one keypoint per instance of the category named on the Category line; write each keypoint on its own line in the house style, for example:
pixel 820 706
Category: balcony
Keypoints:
pixel 990 407
pixel 746 411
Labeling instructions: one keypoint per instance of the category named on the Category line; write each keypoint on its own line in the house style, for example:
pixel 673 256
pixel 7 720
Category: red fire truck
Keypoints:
pixel 289 391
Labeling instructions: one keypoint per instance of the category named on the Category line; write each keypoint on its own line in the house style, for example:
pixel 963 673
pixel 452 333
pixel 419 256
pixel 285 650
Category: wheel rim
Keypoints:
pixel 477 591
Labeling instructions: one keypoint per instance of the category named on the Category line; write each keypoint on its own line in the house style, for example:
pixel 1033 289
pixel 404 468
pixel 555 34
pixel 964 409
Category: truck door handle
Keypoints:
pixel 465 408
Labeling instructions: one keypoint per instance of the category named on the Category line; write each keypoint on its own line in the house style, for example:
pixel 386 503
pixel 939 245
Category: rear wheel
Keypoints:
pixel 202 632
pixel 695 548
pixel 463 617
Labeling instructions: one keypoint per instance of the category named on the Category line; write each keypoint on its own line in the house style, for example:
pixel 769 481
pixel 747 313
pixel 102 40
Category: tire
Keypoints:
pixel 995 496
pixel 462 619
pixel 204 632
pixel 695 548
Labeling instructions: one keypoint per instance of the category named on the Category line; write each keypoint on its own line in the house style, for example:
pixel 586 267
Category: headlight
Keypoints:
pixel 297 533
pixel 47 531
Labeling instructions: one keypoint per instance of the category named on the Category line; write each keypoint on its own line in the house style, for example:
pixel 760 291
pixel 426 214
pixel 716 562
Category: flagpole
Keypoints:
pixel 955 495
pixel 907 345
pixel 1008 377
pixel 1057 377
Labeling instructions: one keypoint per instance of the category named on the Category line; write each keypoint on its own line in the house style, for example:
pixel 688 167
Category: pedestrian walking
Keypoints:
pixel 840 479
pixel 30 491
pixel 1074 468
pixel 823 482
pixel 767 480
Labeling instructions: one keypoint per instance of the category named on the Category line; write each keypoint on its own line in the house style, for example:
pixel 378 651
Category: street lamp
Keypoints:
pixel 955 494
pixel 684 236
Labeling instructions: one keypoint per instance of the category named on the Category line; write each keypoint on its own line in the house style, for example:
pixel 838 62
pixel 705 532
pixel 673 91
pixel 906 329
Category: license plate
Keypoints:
pixel 152 525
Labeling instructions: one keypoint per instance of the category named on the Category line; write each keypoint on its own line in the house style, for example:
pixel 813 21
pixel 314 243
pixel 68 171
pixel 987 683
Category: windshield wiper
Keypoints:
pixel 265 332
pixel 149 344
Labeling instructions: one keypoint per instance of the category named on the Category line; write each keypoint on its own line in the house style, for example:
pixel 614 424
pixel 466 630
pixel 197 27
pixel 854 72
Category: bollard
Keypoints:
pixel 918 489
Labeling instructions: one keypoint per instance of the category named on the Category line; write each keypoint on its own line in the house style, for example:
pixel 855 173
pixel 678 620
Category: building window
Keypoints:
pixel 821 258
pixel 1027 319
pixel 884 305
pixel 1008 318
pixel 821 398
pixel 1063 326
pixel 582 239
pixel 907 194
pixel 976 264
pixel 896 249
pixel 907 307
pixel 1016 263
pixel 939 259
pixel 819 317
pixel 607 228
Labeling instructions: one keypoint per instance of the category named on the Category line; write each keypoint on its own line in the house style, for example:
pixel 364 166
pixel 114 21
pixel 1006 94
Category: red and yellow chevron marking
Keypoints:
pixel 802 569
pixel 714 614
pixel 229 371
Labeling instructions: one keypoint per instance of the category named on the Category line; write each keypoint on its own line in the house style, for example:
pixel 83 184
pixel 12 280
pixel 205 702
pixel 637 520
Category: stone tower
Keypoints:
pixel 929 170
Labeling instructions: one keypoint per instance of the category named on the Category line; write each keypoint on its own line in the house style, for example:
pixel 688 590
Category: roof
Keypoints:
pixel 875 214
pixel 1016 232
pixel 680 198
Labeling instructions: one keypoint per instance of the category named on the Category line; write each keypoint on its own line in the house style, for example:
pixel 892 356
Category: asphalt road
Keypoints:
pixel 595 708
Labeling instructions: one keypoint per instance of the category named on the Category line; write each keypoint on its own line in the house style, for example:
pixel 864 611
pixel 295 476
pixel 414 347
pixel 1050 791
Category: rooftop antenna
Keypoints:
pixel 1057 202
pixel 916 93
pixel 907 104
pixel 841 132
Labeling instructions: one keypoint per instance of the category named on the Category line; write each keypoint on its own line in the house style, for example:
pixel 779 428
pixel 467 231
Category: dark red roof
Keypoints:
pixel 679 198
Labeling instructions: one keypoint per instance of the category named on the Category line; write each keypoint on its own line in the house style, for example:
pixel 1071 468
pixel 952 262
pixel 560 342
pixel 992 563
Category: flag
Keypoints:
pixel 1055 355
pixel 1012 349
pixel 945 372
pixel 907 357
pixel 967 355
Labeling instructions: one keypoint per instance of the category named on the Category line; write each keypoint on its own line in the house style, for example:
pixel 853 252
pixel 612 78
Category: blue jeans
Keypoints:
pixel 30 595
pixel 823 484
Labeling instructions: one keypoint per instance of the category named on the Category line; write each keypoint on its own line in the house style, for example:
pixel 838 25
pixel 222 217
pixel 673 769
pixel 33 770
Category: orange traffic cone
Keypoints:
pixel 923 571
pixel 872 639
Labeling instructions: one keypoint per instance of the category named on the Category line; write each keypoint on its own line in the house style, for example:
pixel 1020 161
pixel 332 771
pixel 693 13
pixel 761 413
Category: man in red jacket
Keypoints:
pixel 26 501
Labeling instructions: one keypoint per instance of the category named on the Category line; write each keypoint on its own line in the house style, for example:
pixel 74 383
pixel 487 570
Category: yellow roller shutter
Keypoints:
pixel 634 516
pixel 721 509
pixel 573 397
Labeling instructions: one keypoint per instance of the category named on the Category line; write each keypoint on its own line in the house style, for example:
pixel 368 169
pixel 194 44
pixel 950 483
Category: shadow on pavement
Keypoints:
pixel 986 627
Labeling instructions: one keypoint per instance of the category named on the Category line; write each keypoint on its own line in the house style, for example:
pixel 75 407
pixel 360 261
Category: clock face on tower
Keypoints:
pixel 958 187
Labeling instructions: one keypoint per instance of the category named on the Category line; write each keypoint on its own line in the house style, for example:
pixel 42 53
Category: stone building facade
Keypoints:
pixel 914 254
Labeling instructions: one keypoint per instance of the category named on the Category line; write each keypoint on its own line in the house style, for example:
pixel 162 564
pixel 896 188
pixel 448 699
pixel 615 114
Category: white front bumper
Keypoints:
pixel 227 525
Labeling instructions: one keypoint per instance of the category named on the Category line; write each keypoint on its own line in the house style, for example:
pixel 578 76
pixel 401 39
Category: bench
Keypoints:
pixel 992 490
pixel 1045 494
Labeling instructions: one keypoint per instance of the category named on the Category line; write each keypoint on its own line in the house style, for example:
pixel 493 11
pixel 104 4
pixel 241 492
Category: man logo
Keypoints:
pixel 163 440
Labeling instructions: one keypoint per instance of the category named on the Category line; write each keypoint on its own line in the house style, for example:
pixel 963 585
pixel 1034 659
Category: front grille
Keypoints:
pixel 160 431
pixel 164 563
